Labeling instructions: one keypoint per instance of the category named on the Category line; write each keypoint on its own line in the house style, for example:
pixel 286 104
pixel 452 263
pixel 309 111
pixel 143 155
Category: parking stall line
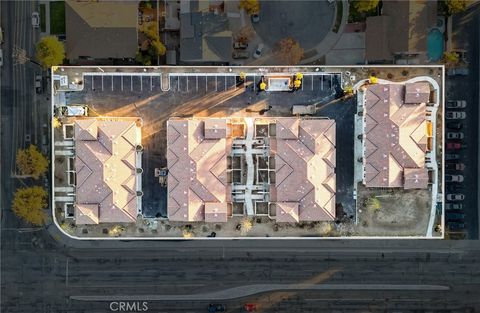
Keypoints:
pixel 178 83
pixel 225 82
pixel 216 83
pixel 187 82
pixel 121 81
pixel 141 83
pixel 112 81
pixel 206 84
pixel 312 81
pixel 151 83
pixel 254 83
pixel 102 82
pixel 321 81
pixel 131 82
pixel 93 85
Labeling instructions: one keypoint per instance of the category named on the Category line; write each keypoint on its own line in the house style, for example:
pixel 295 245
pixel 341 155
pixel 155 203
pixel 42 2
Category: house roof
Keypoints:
pixel 101 29
pixel 402 27
pixel 197 169
pixel 105 164
pixel 305 168
pixel 395 135
pixel 415 178
pixel 205 36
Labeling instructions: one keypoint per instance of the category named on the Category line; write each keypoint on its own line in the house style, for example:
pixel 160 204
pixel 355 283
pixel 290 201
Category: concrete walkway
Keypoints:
pixel 249 290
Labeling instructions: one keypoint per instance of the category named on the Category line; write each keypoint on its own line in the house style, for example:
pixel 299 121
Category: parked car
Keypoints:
pixel 455 135
pixel 455 166
pixel 214 307
pixel 452 156
pixel 455 225
pixel 453 178
pixel 258 51
pixel 453 125
pixel 455 197
pixel 453 206
pixel 240 45
pixel 453 145
pixel 456 104
pixel 250 307
pixel 458 71
pixel 455 216
pixel 255 18
pixel 35 19
pixel 38 83
pixel 240 54
pixel 455 115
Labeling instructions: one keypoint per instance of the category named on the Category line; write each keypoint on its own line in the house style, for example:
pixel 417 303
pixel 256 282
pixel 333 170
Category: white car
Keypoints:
pixel 455 197
pixel 456 104
pixel 455 135
pixel 35 19
pixel 258 51
pixel 456 115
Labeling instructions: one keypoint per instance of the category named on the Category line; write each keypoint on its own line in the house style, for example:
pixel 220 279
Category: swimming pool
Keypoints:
pixel 435 45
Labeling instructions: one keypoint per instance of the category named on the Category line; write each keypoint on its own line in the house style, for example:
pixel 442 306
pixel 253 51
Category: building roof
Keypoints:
pixel 197 169
pixel 216 212
pixel 205 36
pixel 402 27
pixel 395 135
pixel 417 92
pixel 287 212
pixel 105 164
pixel 305 168
pixel 101 29
pixel 415 178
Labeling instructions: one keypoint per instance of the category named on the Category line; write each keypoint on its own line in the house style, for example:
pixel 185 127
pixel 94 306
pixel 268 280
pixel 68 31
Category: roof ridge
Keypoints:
pixel 285 164
pixel 123 133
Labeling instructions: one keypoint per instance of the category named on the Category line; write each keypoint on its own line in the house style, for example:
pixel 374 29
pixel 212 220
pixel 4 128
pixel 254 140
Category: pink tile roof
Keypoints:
pixel 395 135
pixel 216 212
pixel 287 212
pixel 105 165
pixel 305 167
pixel 197 169
pixel 415 178
pixel 417 92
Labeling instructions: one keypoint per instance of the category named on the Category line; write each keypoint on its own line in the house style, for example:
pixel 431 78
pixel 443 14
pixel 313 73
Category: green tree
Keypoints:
pixel 362 6
pixel 31 162
pixel 29 204
pixel 50 52
pixel 455 6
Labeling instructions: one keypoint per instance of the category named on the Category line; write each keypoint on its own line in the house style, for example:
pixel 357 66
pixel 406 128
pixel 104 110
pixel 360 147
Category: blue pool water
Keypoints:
pixel 435 45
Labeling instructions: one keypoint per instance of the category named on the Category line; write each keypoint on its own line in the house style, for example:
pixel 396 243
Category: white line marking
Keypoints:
pixel 225 82
pixel 131 83
pixel 93 84
pixel 121 80
pixel 141 83
pixel 187 84
pixel 112 82
pixel 151 83
pixel 254 83
pixel 322 82
pixel 206 84
pixel 197 82
pixel 312 82
pixel 102 83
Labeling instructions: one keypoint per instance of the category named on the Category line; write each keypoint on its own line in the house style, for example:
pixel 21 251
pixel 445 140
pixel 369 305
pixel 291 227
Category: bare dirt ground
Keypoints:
pixel 393 212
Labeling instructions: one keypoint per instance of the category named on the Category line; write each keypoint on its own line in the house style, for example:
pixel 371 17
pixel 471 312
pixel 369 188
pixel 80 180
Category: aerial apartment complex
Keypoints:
pixel 280 167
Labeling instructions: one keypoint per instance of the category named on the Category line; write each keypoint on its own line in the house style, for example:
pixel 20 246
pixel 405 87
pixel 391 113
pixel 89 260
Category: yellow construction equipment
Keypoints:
pixel 297 83
pixel 298 76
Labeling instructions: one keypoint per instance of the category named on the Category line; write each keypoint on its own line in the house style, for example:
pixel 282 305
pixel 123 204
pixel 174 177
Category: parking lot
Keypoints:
pixel 461 207
pixel 155 98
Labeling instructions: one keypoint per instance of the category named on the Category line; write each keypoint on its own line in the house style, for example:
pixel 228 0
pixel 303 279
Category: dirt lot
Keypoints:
pixel 393 212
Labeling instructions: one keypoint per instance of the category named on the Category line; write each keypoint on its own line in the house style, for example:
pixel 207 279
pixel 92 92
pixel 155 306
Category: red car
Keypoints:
pixel 454 145
pixel 250 307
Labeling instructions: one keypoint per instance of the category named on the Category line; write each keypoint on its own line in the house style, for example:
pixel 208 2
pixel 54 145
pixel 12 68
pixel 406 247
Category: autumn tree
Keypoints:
pixel 244 34
pixel 250 6
pixel 29 204
pixel 363 6
pixel 31 162
pixel 451 58
pixel 455 6
pixel 289 51
pixel 50 52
